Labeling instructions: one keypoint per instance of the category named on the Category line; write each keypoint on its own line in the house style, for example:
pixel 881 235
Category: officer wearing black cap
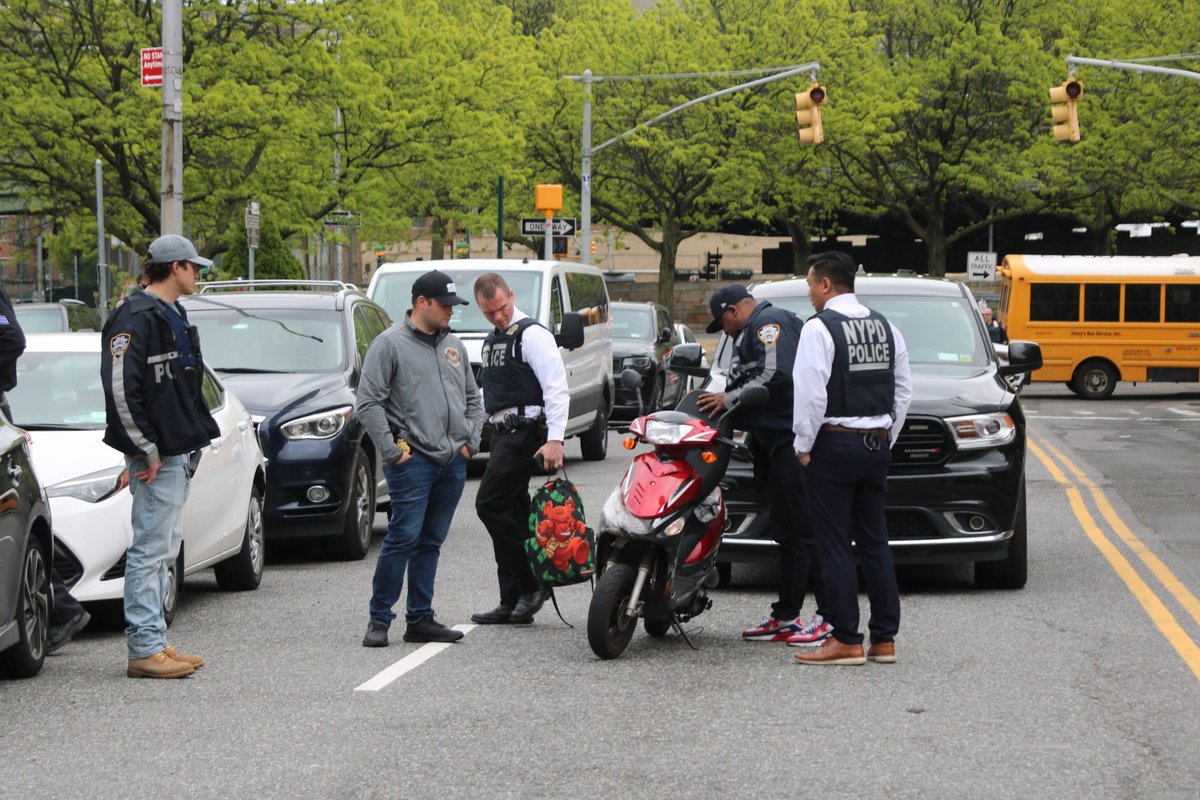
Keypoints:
pixel 764 341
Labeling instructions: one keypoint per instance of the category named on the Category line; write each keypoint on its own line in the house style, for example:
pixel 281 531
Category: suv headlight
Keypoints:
pixel 982 430
pixel 94 487
pixel 638 362
pixel 324 425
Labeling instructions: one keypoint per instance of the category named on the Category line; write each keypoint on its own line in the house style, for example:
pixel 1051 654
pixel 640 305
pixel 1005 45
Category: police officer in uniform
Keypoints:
pixel 765 340
pixel 853 390
pixel 526 398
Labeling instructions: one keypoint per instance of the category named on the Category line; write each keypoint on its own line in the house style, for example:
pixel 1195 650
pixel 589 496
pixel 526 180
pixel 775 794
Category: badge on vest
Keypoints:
pixel 512 329
pixel 769 334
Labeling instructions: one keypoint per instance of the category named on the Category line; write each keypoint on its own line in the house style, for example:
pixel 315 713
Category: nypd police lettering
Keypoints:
pixel 867 344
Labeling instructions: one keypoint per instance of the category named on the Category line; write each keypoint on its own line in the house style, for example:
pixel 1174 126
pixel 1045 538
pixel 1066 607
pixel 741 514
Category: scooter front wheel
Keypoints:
pixel 609 628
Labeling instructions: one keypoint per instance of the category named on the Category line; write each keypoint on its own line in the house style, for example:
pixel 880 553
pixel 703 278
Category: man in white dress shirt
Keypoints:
pixel 853 389
pixel 526 398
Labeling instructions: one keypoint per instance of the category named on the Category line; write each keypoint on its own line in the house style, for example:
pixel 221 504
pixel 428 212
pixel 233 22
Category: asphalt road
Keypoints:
pixel 1084 684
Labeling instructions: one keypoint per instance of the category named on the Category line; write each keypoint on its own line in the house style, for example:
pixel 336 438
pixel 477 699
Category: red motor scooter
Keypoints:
pixel 660 529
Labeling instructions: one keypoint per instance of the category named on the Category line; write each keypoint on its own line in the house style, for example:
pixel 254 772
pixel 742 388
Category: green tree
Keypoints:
pixel 272 258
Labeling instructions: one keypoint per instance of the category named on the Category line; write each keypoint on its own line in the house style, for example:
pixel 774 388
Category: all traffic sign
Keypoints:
pixel 152 66
pixel 981 266
pixel 536 226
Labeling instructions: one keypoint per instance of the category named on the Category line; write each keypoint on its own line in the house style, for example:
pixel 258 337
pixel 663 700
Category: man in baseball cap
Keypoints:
pixel 722 300
pixel 173 247
pixel 437 286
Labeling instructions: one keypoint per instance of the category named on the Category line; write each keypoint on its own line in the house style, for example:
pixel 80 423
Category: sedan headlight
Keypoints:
pixel 324 425
pixel 94 487
pixel 982 430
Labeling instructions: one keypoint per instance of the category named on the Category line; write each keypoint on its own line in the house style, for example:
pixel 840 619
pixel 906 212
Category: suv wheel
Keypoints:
pixel 1013 570
pixel 24 659
pixel 355 539
pixel 593 443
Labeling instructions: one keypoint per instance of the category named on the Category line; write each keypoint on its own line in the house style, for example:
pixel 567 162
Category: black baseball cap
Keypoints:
pixel 437 286
pixel 722 299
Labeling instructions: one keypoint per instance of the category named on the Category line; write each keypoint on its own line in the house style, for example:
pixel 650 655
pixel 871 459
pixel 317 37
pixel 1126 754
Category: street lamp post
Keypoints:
pixel 587 151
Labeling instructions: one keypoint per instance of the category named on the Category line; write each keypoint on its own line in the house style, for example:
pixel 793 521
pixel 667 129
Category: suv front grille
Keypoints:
pixel 923 441
pixel 617 364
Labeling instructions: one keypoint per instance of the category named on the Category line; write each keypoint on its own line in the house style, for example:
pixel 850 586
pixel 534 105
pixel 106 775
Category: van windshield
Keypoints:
pixel 393 291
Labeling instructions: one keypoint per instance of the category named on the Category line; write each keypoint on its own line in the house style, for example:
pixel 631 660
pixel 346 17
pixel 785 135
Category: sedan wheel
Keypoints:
pixel 24 659
pixel 244 571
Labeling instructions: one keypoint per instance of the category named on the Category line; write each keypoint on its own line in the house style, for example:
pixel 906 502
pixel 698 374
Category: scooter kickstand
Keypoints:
pixel 683 633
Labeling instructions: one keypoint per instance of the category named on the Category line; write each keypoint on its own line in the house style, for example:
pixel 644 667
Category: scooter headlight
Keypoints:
pixel 675 528
pixel 664 432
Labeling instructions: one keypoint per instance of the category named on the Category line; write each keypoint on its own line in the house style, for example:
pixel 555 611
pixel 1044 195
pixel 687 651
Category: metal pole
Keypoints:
pixel 250 263
pixel 40 265
pixel 1097 62
pixel 76 261
pixel 172 116
pixel 585 174
pixel 500 217
pixel 549 253
pixel 101 264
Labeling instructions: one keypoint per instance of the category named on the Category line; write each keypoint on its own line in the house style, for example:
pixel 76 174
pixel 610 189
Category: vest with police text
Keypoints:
pixel 506 379
pixel 862 382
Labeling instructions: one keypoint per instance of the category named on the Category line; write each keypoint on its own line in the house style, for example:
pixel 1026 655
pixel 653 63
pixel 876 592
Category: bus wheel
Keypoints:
pixel 1094 380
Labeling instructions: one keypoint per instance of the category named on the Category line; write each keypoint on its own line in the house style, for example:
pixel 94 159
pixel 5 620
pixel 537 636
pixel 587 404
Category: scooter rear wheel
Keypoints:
pixel 609 628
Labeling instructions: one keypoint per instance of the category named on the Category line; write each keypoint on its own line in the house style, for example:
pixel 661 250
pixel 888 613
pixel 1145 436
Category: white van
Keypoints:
pixel 544 290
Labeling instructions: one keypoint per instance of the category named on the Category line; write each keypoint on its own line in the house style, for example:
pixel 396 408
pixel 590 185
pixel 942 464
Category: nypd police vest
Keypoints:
pixel 506 379
pixel 862 382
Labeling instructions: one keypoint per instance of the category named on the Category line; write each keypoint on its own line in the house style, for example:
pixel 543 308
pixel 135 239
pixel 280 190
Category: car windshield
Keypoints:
pixel 58 390
pixel 632 323
pixel 940 332
pixel 41 320
pixel 270 339
pixel 393 291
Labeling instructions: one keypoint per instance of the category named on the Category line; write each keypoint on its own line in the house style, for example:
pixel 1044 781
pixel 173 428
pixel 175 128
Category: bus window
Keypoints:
pixel 1101 302
pixel 1141 302
pixel 1183 304
pixel 1054 302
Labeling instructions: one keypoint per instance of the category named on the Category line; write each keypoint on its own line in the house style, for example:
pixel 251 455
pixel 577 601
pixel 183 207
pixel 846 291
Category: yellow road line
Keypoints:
pixel 1166 623
pixel 1160 570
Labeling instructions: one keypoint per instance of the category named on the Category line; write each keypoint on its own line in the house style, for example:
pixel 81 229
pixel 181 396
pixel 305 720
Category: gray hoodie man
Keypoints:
pixel 419 387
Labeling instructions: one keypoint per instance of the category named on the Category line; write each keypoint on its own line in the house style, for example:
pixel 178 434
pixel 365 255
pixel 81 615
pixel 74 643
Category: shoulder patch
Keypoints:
pixel 118 344
pixel 452 357
pixel 512 329
pixel 769 334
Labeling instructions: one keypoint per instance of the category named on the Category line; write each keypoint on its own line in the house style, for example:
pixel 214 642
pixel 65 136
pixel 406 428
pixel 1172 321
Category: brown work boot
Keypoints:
pixel 832 651
pixel 882 652
pixel 159 665
pixel 196 661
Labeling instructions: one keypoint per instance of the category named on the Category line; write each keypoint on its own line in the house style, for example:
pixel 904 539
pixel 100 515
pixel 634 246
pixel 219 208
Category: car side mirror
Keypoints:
pixel 570 331
pixel 1022 357
pixel 686 360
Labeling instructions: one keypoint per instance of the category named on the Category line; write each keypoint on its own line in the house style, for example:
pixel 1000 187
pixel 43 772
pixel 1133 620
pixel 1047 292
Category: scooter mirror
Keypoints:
pixel 753 397
pixel 631 379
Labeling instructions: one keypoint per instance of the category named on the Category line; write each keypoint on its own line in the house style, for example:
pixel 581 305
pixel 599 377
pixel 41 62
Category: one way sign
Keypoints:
pixel 536 226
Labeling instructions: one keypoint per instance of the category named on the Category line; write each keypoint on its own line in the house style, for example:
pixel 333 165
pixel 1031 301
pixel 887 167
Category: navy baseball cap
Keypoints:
pixel 722 299
pixel 437 286
pixel 173 247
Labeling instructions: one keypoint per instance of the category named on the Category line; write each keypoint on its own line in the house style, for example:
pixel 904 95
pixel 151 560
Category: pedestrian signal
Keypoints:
pixel 808 114
pixel 1063 110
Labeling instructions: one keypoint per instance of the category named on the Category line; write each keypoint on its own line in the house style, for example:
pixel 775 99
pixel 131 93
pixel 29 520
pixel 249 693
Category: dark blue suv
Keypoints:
pixel 292 352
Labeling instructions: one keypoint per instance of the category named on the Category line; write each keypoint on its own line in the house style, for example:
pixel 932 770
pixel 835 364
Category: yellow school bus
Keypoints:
pixel 1103 319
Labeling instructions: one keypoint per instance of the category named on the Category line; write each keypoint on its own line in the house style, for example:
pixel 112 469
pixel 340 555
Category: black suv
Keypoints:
pixel 643 336
pixel 956 489
pixel 292 352
pixel 60 317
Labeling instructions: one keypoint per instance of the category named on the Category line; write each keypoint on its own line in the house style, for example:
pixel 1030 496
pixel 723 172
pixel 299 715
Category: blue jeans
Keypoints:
pixel 157 534
pixel 424 496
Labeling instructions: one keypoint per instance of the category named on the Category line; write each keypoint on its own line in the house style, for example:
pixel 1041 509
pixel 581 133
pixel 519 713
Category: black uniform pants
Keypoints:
pixel 789 526
pixel 502 504
pixel 845 484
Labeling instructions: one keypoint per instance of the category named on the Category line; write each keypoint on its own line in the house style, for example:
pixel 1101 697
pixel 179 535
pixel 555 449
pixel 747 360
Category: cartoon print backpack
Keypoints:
pixel 562 547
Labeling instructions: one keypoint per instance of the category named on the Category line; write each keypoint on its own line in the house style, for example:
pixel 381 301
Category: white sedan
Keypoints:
pixel 59 400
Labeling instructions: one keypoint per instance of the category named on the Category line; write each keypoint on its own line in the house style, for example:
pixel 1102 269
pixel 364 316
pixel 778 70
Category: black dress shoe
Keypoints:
pixel 376 635
pixel 430 630
pixel 530 604
pixel 500 615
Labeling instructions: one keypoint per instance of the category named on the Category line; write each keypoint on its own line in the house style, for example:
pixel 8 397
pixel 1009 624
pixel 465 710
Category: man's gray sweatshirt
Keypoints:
pixel 424 392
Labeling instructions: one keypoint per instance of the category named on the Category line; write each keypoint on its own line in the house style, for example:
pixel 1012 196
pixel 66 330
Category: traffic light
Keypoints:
pixel 1063 110
pixel 808 114
pixel 592 246
pixel 711 262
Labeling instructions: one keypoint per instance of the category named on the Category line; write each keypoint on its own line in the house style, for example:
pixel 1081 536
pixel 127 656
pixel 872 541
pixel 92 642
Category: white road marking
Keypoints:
pixel 408 663
pixel 1185 412
pixel 1139 420
pixel 1083 413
